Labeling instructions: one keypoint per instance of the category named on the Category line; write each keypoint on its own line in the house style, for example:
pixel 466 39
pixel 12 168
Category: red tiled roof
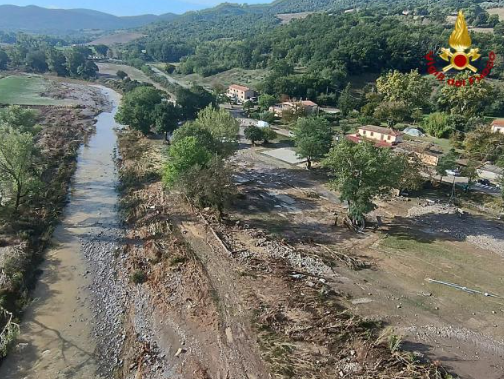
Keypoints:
pixel 357 139
pixel 309 103
pixel 498 122
pixel 239 88
pixel 353 138
pixel 382 130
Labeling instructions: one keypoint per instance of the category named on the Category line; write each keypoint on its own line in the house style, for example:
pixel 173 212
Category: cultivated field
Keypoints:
pixel 26 90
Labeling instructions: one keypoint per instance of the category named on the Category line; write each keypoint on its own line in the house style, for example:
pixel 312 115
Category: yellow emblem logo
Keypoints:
pixel 460 41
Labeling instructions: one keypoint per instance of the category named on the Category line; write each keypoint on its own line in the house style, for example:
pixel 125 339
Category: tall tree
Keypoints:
pixel 183 156
pixel 468 100
pixel 411 88
pixel 223 127
pixel 445 163
pixel 313 138
pixel 138 108
pixel 18 175
pixel 362 172
pixel 4 60
pixel 254 134
pixel 20 119
pixel 167 116
pixel 346 102
pixel 56 61
pixel 437 124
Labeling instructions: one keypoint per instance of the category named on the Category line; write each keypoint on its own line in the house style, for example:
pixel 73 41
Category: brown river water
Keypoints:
pixel 56 339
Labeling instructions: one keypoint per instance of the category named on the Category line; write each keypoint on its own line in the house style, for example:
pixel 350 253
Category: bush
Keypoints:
pixel 139 277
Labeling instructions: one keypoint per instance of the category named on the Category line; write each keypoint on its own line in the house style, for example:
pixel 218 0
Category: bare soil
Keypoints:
pixel 232 299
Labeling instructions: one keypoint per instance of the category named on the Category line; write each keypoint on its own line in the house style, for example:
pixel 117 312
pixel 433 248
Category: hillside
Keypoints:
pixel 36 19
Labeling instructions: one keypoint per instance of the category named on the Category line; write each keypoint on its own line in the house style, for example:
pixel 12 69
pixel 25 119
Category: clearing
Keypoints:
pixel 27 90
pixel 116 39
pixel 498 11
pixel 288 17
pixel 110 70
pixel 235 76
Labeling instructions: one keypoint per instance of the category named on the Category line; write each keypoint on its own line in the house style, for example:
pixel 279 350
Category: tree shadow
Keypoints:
pixel 447 227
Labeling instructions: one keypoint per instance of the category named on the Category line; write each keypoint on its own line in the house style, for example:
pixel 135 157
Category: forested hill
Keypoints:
pixel 375 36
pixel 36 19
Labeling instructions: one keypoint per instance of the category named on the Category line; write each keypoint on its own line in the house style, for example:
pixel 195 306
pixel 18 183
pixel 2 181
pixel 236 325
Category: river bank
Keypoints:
pixel 72 328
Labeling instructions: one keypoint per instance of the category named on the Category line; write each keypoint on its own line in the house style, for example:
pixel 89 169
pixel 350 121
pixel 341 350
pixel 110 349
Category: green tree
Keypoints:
pixel 223 127
pixel 445 163
pixel 209 186
pixel 36 61
pixel 266 101
pixel 468 100
pixel 437 124
pixel 202 135
pixel 101 50
pixel 470 171
pixel 346 102
pixel 392 112
pixel 20 119
pixel 313 138
pixel 121 74
pixel 411 88
pixel 484 145
pixel 254 134
pixel 18 176
pixel 138 108
pixel 362 172
pixel 184 155
pixel 56 61
pixel 193 100
pixel 167 116
pixel 411 178
pixel 4 60
pixel 268 134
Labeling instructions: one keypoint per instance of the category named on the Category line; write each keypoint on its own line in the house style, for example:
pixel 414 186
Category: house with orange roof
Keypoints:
pixel 240 93
pixel 498 126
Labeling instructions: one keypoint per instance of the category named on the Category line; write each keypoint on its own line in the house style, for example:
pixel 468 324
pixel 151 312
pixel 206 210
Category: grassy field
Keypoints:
pixel 25 90
pixel 497 11
pixel 117 38
pixel 234 76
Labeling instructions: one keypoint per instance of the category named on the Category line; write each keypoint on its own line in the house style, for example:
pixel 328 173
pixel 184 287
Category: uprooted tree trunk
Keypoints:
pixel 355 225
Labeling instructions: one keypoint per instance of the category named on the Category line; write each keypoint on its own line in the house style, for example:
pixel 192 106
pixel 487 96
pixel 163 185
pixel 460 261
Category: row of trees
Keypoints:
pixel 35 55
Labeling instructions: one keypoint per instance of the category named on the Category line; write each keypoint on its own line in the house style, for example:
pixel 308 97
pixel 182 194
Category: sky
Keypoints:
pixel 130 7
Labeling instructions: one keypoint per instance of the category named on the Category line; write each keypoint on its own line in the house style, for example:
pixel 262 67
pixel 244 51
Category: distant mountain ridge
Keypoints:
pixel 37 19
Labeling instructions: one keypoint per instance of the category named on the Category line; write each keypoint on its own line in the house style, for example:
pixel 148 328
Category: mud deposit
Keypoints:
pixel 60 328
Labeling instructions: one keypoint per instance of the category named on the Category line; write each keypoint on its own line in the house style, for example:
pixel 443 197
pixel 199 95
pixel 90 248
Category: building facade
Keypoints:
pixel 498 126
pixel 240 93
pixel 380 134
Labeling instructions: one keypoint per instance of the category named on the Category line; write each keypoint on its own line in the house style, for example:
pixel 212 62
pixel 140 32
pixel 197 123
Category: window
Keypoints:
pixel 371 134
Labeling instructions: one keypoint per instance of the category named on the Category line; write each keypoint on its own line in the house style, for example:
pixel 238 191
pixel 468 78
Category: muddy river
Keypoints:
pixel 56 338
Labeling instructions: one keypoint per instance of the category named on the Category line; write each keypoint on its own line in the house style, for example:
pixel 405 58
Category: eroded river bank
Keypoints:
pixel 59 329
